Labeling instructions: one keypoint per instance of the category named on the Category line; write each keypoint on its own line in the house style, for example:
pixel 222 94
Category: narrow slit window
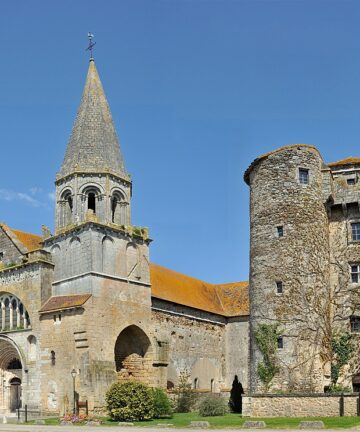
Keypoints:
pixel 91 202
pixel 70 202
pixel 114 203
pixel 53 358
pixel 279 287
pixel 280 342
pixel 280 231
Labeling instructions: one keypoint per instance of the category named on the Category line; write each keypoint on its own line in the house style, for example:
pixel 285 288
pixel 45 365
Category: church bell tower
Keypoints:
pixel 93 183
pixel 94 240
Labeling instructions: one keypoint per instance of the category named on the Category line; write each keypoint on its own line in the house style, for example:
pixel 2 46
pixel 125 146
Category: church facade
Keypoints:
pixel 85 307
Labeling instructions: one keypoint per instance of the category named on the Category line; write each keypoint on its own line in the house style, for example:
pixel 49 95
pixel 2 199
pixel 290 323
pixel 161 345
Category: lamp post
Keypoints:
pixel 73 374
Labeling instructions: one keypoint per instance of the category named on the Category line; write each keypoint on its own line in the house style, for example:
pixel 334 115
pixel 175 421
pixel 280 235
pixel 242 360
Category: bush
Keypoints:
pixel 162 404
pixel 212 406
pixel 338 389
pixel 185 398
pixel 130 401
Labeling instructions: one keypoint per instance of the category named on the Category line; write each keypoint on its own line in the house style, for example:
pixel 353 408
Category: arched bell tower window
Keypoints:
pixel 118 208
pixel 91 197
pixel 67 207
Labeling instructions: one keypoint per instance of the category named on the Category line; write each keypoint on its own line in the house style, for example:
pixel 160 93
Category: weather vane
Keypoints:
pixel 91 45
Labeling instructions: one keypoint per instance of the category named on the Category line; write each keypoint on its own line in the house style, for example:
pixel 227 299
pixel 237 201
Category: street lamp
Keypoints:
pixel 73 374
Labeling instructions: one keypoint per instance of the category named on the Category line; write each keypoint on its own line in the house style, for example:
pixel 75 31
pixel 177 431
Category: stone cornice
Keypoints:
pixel 134 233
pixel 125 178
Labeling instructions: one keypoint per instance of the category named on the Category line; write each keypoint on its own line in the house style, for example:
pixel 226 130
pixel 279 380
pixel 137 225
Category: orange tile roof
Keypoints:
pixel 227 300
pixel 56 303
pixel 30 241
pixel 234 298
pixel 347 161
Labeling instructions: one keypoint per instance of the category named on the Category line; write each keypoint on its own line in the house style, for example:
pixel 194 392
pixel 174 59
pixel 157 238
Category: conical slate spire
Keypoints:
pixel 93 144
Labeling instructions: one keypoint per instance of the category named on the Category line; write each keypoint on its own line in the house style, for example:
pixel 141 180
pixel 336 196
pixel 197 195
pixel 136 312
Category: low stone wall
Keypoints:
pixel 316 405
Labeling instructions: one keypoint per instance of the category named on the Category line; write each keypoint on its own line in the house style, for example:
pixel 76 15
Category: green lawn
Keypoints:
pixel 236 421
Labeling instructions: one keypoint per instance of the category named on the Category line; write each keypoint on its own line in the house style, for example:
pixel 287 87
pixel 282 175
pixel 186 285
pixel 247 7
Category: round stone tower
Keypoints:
pixel 289 268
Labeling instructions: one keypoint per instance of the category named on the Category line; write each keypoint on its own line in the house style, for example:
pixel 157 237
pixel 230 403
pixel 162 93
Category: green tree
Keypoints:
pixel 235 402
pixel 185 397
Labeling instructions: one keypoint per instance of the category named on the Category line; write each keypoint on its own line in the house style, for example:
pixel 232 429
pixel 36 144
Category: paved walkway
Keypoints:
pixel 38 428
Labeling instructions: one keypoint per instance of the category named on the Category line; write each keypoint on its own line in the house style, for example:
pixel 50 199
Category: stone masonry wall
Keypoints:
pixel 31 283
pixel 94 248
pixel 237 351
pixel 345 252
pixel 298 406
pixel 196 345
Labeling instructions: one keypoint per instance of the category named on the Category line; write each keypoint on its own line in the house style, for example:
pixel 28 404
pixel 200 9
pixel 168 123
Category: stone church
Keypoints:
pixel 86 307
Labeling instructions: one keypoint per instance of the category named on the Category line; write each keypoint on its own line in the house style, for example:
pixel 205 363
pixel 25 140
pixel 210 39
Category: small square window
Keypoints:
pixel 303 176
pixel 355 272
pixel 279 287
pixel 355 324
pixel 280 231
pixel 351 181
pixel 355 231
pixel 280 342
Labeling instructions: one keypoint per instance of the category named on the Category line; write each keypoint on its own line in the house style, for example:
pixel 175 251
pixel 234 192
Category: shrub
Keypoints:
pixel 338 389
pixel 162 404
pixel 212 406
pixel 185 398
pixel 130 401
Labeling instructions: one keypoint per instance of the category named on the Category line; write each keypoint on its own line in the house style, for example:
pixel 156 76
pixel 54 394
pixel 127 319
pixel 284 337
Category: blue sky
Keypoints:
pixel 197 89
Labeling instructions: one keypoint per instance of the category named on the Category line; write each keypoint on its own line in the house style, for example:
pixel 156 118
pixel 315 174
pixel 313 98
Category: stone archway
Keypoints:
pixel 11 372
pixel 133 355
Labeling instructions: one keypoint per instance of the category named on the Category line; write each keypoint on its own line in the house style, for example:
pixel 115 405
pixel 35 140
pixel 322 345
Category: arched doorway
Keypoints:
pixel 133 355
pixel 11 370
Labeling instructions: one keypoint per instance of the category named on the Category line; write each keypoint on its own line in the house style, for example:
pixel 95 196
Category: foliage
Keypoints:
pixel 235 401
pixel 338 389
pixel 75 419
pixel 162 404
pixel 212 406
pixel 266 336
pixel 342 349
pixel 185 398
pixel 130 401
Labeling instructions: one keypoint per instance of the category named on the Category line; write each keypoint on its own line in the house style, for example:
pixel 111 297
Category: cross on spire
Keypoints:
pixel 91 45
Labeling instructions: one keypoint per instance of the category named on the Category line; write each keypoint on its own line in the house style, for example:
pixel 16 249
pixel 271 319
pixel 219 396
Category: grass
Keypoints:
pixel 235 421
